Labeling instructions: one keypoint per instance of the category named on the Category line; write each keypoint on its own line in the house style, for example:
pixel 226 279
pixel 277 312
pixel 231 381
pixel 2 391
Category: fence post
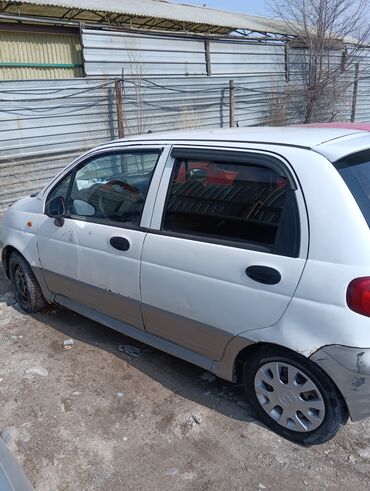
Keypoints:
pixel 287 61
pixel 231 103
pixel 208 57
pixel 119 108
pixel 355 93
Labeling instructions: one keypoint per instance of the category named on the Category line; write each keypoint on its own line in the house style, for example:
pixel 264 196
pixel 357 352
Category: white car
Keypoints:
pixel 244 251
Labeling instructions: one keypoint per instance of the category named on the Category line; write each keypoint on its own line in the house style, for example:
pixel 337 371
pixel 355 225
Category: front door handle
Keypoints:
pixel 264 274
pixel 120 243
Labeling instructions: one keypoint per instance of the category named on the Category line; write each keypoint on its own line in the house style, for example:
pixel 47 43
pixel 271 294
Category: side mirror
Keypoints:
pixel 56 209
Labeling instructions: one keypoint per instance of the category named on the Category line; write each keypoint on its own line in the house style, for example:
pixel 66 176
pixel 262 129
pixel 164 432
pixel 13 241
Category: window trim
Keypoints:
pixel 238 157
pixel 248 158
pixel 249 246
pixel 82 163
pixel 95 152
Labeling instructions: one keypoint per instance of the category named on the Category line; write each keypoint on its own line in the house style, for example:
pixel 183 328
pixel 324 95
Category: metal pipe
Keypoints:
pixel 39 65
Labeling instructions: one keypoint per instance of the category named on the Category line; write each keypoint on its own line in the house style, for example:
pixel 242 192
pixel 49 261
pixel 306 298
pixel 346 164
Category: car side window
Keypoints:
pixel 61 189
pixel 239 203
pixel 111 187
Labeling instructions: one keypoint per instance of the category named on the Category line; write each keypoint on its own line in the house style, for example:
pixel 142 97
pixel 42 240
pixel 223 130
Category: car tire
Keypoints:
pixel 293 396
pixel 26 289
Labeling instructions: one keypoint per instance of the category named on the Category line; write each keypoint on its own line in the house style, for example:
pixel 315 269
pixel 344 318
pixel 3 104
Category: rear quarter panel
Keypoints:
pixel 339 251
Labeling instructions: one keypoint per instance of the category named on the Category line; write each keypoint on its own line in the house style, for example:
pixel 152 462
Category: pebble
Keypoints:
pixel 68 343
pixel 43 372
pixel 188 476
pixel 261 486
pixel 120 394
pixel 172 472
pixel 194 418
pixel 364 453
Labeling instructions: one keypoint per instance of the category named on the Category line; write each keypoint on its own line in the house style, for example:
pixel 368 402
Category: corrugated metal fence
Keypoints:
pixel 45 124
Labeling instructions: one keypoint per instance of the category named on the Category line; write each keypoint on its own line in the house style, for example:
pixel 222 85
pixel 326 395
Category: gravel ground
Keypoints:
pixel 95 418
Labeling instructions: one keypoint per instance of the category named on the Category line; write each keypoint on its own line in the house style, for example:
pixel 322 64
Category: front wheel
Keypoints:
pixel 293 396
pixel 26 288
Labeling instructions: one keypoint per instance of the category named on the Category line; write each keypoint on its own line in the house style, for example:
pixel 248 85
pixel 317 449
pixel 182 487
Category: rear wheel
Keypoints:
pixel 26 288
pixel 293 396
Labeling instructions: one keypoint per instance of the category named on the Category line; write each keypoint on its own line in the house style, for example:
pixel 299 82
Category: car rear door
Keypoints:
pixel 93 259
pixel 226 249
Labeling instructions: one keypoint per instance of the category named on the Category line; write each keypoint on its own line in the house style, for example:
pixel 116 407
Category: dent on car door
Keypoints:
pixel 94 257
pixel 225 255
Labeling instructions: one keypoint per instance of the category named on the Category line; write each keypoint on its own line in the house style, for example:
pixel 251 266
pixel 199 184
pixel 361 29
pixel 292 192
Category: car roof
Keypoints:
pixel 333 143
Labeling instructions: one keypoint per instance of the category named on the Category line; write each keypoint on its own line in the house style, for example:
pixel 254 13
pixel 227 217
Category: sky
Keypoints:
pixel 254 7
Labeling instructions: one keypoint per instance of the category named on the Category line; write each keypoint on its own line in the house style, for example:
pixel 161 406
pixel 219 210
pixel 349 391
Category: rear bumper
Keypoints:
pixel 349 368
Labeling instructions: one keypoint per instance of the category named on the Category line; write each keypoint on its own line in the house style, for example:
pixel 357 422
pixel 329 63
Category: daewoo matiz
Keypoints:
pixel 246 252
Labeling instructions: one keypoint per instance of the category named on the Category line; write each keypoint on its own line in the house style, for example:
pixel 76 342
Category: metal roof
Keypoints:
pixel 162 9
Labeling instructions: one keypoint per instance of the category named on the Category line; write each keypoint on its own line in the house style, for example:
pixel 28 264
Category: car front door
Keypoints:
pixel 226 249
pixel 93 256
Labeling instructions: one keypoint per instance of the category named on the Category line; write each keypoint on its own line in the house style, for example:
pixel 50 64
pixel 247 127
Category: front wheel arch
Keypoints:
pixel 6 253
pixel 26 288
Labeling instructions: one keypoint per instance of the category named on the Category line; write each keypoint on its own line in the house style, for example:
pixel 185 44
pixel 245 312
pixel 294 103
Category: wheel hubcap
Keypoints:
pixel 289 396
pixel 21 286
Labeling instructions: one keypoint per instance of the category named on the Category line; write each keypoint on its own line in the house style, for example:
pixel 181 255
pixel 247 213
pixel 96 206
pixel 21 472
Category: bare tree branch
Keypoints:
pixel 331 36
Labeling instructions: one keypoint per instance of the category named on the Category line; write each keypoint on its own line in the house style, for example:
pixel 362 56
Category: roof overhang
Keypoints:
pixel 149 14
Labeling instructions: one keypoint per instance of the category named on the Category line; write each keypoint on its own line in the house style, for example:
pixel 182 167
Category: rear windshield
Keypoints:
pixel 355 170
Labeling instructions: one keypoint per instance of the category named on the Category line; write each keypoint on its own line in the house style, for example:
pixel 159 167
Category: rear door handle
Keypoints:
pixel 120 243
pixel 264 274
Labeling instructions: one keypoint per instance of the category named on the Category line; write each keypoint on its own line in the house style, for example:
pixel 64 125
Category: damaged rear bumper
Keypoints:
pixel 349 368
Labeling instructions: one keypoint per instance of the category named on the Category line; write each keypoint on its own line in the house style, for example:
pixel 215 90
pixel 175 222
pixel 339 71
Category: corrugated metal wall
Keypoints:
pixel 31 55
pixel 363 104
pixel 45 124
pixel 108 53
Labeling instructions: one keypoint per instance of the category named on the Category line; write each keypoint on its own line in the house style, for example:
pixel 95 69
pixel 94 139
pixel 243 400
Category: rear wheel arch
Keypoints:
pixel 254 348
pixel 243 356
pixel 336 411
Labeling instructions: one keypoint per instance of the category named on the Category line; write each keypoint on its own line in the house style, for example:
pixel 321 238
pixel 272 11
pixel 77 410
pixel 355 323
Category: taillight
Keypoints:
pixel 358 296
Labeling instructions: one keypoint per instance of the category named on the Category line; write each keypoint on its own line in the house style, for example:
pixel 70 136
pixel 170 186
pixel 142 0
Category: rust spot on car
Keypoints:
pixel 29 224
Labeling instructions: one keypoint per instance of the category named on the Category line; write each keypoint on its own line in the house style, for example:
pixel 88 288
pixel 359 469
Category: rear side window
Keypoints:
pixel 248 205
pixel 355 171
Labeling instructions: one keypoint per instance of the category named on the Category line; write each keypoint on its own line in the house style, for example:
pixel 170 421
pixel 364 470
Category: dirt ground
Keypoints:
pixel 95 418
